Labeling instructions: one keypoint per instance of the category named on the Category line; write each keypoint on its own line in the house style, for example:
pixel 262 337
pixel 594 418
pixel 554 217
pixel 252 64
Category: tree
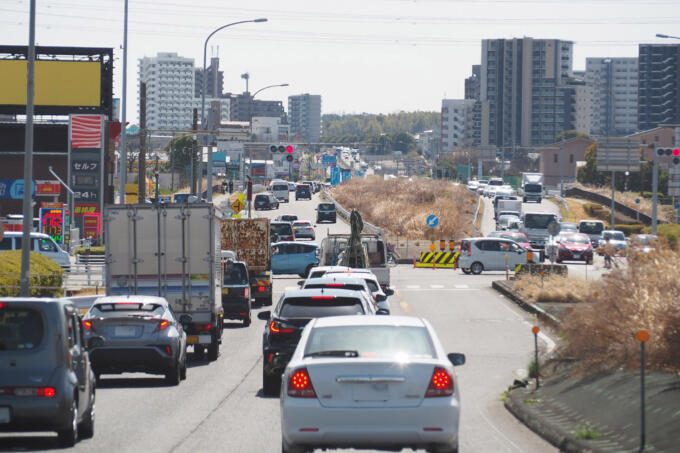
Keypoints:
pixel 566 135
pixel 588 174
pixel 180 150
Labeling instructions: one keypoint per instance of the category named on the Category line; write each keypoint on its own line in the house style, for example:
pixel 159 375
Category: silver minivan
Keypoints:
pixel 280 190
pixel 489 254
pixel 41 243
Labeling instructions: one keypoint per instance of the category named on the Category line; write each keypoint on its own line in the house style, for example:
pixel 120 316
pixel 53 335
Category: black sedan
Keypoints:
pixel 266 201
pixel 136 334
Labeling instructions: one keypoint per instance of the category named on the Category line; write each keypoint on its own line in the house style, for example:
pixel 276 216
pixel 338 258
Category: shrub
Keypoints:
pixel 630 229
pixel 46 277
pixel 595 210
pixel 553 288
pixel 98 250
pixel 669 231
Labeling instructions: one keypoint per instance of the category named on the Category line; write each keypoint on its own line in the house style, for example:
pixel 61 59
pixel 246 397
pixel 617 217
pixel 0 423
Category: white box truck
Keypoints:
pixel 171 250
pixel 532 187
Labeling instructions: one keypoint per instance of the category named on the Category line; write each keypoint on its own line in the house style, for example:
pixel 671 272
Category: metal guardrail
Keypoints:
pixel 344 213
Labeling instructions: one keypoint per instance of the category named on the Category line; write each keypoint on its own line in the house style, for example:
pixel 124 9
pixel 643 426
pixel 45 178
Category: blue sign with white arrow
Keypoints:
pixel 432 221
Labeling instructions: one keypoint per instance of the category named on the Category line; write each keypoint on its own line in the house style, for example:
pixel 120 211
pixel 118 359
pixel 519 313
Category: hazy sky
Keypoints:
pixel 375 56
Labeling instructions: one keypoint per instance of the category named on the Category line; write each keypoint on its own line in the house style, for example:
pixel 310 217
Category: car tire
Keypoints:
pixel 199 352
pixel 173 376
pixel 246 321
pixel 86 426
pixel 539 201
pixel 558 261
pixel 69 436
pixel 214 349
pixel 446 449
pixel 286 448
pixel 271 385
pixel 465 270
pixel 524 199
pixel 476 268
pixel 307 271
pixel 183 370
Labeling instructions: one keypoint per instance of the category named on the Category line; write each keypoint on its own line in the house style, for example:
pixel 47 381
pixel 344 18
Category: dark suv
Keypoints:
pixel 46 383
pixel 294 310
pixel 326 212
pixel 236 291
pixel 303 191
pixel 266 201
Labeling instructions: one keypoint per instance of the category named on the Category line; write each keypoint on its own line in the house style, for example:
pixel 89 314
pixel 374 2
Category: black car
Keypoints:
pixel 294 310
pixel 236 291
pixel 266 201
pixel 325 212
pixel 46 383
pixel 303 191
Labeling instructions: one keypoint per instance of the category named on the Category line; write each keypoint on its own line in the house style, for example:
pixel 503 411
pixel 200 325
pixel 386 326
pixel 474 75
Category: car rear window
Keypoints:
pixel 307 307
pixel 115 309
pixel 373 286
pixel 326 207
pixel 350 286
pixel 591 227
pixel 281 228
pixel 235 274
pixel 20 328
pixel 280 187
pixel 394 342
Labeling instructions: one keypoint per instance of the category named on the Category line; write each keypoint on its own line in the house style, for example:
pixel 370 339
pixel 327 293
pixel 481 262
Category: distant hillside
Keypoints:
pixel 363 127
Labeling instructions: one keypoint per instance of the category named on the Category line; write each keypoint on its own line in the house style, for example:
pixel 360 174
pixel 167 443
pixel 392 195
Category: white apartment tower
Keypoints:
pixel 613 86
pixel 170 87
pixel 457 123
pixel 304 116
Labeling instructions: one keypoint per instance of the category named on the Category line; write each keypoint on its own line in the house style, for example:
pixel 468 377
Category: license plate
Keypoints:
pixel 370 392
pixel 577 256
pixel 4 415
pixel 192 339
pixel 125 331
pixel 199 339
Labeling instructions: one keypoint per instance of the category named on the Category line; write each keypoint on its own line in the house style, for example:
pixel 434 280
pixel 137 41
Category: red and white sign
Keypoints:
pixel 86 131
pixel 86 208
pixel 92 225
pixel 47 188
pixel 52 204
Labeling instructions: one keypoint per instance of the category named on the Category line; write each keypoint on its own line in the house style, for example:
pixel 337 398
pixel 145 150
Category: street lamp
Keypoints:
pixel 660 35
pixel 203 123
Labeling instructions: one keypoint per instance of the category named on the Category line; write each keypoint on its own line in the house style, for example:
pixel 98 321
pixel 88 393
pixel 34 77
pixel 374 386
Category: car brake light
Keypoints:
pixel 275 327
pixel 163 324
pixel 300 385
pixel 322 297
pixel 87 325
pixel 260 289
pixel 441 383
pixel 46 392
pixel 3 305
pixel 336 285
pixel 246 292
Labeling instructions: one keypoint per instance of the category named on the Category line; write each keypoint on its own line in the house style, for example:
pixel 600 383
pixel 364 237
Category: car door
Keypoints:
pixel 516 255
pixel 280 258
pixel 79 358
pixel 297 258
pixel 491 256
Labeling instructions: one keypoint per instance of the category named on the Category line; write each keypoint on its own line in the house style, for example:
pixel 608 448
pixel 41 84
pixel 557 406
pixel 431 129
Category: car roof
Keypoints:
pixel 333 278
pixel 131 298
pixel 330 268
pixel 274 244
pixel 363 275
pixel 33 300
pixel 355 320
pixel 311 292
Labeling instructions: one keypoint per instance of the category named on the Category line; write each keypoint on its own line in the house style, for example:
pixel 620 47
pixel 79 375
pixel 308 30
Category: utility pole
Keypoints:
pixel 655 188
pixel 562 168
pixel 141 179
pixel 194 149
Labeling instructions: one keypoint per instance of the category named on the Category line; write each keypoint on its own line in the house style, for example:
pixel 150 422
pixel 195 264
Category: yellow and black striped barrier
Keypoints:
pixel 443 260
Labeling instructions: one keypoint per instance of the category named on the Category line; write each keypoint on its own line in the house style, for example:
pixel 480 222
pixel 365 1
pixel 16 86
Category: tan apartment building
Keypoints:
pixel 572 151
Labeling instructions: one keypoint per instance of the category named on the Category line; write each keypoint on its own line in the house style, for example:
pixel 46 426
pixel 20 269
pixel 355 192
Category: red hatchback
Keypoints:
pixel 520 238
pixel 574 247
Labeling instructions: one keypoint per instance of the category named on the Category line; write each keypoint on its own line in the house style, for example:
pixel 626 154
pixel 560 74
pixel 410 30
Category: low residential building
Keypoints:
pixel 572 151
pixel 270 129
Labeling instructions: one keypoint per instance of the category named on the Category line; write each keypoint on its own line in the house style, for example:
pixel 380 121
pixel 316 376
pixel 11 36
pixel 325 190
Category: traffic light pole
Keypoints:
pixel 655 188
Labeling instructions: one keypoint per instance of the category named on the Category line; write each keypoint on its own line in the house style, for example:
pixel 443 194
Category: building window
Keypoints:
pixel 571 158
pixel 555 158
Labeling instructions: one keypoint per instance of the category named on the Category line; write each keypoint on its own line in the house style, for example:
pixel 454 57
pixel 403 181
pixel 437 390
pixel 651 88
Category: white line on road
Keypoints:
pixel 436 286
pixel 441 289
pixel 461 286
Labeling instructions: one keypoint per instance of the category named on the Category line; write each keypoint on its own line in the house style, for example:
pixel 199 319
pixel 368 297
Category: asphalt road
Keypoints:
pixel 220 407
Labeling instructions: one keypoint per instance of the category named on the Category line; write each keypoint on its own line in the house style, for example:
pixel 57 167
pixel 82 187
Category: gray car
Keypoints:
pixel 137 334
pixel 46 383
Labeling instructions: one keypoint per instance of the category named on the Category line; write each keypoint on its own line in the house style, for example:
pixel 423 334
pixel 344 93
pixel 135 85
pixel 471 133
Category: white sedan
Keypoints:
pixel 380 382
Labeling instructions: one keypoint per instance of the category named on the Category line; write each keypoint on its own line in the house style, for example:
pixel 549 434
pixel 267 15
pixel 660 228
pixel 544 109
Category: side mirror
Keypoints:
pixel 456 358
pixel 382 311
pixel 389 292
pixel 264 315
pixel 380 298
pixel 301 282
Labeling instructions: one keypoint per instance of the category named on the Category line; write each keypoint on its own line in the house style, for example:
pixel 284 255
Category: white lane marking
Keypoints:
pixel 436 286
pixel 461 286
pixel 546 339
pixel 441 289
pixel 412 286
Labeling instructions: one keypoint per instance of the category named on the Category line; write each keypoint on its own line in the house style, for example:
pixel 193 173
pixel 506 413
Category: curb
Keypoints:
pixel 500 286
pixel 566 442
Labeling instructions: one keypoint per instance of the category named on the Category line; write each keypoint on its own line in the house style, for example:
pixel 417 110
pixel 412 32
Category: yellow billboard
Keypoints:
pixel 57 83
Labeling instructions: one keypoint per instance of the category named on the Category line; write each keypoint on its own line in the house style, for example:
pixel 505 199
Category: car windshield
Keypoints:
pixel 538 220
pixel 235 274
pixel 591 227
pixel 532 187
pixel 568 226
pixel 281 228
pixel 496 182
pixel 615 235
pixel 280 187
pixel 20 329
pixel 261 197
pixel 326 207
pixel 118 309
pixel 320 307
pixel 385 342
pixel 575 239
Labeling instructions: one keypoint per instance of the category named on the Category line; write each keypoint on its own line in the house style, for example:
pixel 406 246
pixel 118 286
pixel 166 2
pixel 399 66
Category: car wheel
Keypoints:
pixel 558 261
pixel 524 200
pixel 271 385
pixel 183 370
pixel 214 349
pixel 86 427
pixel 69 435
pixel 476 268
pixel 465 270
pixel 173 376
pixel 287 448
pixel 307 271
pixel 199 352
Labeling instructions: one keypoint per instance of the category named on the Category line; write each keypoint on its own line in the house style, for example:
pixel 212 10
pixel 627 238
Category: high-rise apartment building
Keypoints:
pixel 526 95
pixel 214 84
pixel 170 86
pixel 473 86
pixel 658 85
pixel 457 123
pixel 613 87
pixel 304 116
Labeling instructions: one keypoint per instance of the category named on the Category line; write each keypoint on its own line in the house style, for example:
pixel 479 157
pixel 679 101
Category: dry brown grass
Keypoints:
pixel 601 335
pixel 401 206
pixel 576 211
pixel 553 288
pixel 628 199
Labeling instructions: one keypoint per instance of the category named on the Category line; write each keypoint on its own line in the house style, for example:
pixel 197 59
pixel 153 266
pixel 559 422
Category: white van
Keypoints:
pixel 489 254
pixel 40 243
pixel 280 190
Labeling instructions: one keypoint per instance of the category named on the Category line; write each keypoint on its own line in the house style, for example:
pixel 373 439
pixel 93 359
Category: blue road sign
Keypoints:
pixel 637 201
pixel 677 205
pixel 432 221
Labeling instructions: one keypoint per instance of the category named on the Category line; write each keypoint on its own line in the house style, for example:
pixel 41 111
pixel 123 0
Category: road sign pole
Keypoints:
pixel 535 331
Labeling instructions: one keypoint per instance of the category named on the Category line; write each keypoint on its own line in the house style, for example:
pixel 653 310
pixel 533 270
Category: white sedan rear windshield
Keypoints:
pixel 391 342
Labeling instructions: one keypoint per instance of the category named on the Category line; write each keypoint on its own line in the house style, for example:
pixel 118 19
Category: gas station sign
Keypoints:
pixel 52 223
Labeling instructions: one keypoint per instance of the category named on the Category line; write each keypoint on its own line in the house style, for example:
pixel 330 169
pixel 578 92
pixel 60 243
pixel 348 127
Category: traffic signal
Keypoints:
pixel 290 149
pixel 675 152
pixel 277 149
pixel 676 156
pixel 289 158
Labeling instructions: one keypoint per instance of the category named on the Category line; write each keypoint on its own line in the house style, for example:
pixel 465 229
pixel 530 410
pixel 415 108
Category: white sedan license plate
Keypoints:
pixel 577 256
pixel 4 415
pixel 125 331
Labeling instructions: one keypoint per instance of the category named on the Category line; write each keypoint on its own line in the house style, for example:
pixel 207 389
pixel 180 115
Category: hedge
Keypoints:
pixel 98 250
pixel 670 231
pixel 630 229
pixel 596 211
pixel 46 278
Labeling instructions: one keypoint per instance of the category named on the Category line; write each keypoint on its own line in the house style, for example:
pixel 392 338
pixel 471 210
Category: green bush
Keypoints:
pixel 46 278
pixel 595 210
pixel 670 231
pixel 629 229
pixel 99 250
